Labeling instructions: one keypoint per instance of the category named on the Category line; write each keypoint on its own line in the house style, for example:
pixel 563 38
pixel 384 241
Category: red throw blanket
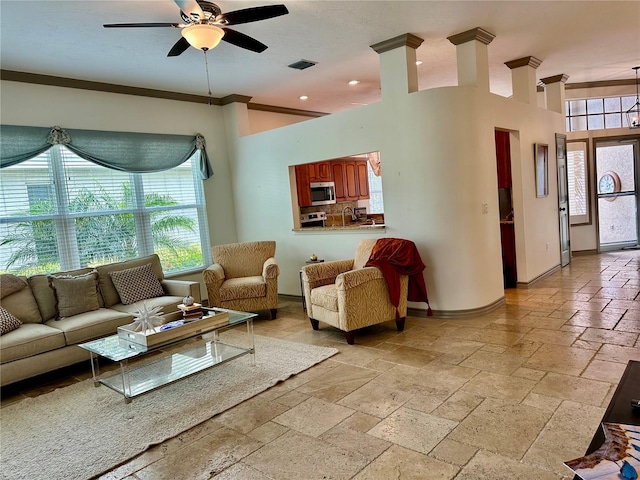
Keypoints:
pixel 395 257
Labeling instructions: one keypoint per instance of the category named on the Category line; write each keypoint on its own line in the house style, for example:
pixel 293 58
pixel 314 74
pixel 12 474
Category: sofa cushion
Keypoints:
pixel 75 293
pixel 108 290
pixel 8 322
pixel 10 284
pixel 89 325
pixel 246 287
pixel 23 306
pixel 29 340
pixel 44 294
pixel 137 283
pixel 326 297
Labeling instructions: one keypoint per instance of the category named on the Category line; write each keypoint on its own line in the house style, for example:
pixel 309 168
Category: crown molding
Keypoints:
pixel 287 111
pixel 235 98
pixel 554 79
pixel 406 40
pixel 477 33
pixel 524 62
pixel 36 78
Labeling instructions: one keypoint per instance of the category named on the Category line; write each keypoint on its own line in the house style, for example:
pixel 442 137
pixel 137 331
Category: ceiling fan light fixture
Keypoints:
pixel 203 36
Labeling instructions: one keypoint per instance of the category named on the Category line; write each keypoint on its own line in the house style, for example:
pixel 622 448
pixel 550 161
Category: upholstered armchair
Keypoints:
pixel 244 277
pixel 349 296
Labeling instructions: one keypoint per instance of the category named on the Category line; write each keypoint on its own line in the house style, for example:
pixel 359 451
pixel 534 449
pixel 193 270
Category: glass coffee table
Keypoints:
pixel 147 368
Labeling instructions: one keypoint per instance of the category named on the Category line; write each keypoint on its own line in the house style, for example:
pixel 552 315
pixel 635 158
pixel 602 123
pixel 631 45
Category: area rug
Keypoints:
pixel 80 431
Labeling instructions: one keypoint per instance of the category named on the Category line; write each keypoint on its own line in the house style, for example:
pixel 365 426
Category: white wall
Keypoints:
pixel 261 121
pixel 46 106
pixel 437 171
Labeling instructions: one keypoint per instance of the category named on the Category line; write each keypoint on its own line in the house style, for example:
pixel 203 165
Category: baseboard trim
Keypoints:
pixel 581 253
pixel 291 298
pixel 473 312
pixel 531 283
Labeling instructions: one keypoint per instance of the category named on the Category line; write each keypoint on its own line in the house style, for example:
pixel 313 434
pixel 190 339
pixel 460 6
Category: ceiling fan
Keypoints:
pixel 204 25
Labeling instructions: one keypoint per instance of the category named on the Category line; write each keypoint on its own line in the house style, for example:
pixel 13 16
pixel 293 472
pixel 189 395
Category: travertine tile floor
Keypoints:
pixel 507 395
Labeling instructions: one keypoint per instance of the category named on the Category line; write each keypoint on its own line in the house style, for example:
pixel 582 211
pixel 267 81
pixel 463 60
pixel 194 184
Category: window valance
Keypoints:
pixel 124 151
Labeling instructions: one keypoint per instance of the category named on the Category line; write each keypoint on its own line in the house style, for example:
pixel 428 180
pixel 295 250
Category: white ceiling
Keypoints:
pixel 587 40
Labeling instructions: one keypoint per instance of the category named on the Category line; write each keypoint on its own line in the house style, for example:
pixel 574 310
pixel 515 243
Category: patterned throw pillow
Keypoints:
pixel 137 283
pixel 8 322
pixel 75 294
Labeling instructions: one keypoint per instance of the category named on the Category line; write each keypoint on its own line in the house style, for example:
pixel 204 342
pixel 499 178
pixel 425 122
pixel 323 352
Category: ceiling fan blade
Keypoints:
pixel 191 8
pixel 179 47
pixel 252 14
pixel 135 25
pixel 243 41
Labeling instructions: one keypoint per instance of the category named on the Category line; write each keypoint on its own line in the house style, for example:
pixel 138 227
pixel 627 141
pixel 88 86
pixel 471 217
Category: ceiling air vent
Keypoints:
pixel 302 64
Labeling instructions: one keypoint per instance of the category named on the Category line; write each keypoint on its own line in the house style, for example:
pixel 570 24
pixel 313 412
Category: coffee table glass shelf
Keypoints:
pixel 146 368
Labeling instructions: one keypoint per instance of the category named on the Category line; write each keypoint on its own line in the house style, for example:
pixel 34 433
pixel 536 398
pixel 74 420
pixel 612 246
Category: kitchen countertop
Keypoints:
pixel 351 228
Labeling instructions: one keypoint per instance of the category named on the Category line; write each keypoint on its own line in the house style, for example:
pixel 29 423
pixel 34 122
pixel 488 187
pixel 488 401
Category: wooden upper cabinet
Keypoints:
pixel 351 180
pixel 302 185
pixel 362 173
pixel 503 159
pixel 320 172
pixel 337 171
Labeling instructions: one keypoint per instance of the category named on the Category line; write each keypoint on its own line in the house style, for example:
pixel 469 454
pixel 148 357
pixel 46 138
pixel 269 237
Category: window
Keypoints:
pixel 60 212
pixel 597 113
pixel 577 174
pixel 375 191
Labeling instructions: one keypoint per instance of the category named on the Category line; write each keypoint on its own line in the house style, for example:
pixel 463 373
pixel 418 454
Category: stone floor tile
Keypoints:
pixel 338 382
pixel 313 416
pixel 454 452
pixel 294 456
pixel 406 427
pixel 528 373
pixel 565 437
pixel 366 445
pixel 594 319
pixel 608 336
pixel 405 464
pixel 493 348
pixel 489 466
pixel 504 364
pixel 555 337
pixel 578 389
pixel 268 432
pixel 250 415
pixel 376 398
pixel 206 457
pixel 240 470
pixel 560 359
pixel 447 344
pixel 628 325
pixel 414 357
pixel 543 402
pixel 586 345
pixel 497 337
pixel 499 386
pixel 604 371
pixel 292 398
pixel 485 427
pixel 458 406
pixel 617 353
pixel 361 422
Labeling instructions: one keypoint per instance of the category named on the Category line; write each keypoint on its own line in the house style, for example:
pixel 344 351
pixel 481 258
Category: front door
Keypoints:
pixel 563 199
pixel 616 189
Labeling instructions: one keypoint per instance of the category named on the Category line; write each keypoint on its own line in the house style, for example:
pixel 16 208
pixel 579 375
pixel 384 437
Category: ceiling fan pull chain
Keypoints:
pixel 206 65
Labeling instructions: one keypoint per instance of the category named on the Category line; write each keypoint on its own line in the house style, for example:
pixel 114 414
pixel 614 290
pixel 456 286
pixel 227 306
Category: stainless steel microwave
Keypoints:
pixel 323 193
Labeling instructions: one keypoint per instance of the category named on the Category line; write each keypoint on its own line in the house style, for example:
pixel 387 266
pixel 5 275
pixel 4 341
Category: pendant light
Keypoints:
pixel 633 114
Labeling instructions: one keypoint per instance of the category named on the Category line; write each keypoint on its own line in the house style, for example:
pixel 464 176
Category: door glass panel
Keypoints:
pixel 617 220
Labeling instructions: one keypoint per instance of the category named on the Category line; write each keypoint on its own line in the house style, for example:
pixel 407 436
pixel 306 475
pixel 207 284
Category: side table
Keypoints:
pixel 308 262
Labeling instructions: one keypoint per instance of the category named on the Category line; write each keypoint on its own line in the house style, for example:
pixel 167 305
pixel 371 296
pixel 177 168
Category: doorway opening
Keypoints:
pixel 616 168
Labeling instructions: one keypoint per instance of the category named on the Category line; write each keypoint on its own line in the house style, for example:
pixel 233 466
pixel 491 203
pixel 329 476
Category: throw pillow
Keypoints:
pixel 75 294
pixel 10 284
pixel 137 283
pixel 8 322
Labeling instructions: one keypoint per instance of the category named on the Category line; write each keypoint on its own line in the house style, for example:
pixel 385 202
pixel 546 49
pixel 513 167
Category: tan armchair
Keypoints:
pixel 244 277
pixel 348 296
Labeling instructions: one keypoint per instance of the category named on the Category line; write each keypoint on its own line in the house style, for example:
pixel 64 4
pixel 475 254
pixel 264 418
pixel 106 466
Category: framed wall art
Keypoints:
pixel 541 158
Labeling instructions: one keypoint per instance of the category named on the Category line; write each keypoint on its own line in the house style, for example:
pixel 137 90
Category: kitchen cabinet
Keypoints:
pixel 351 179
pixel 302 185
pixel 319 172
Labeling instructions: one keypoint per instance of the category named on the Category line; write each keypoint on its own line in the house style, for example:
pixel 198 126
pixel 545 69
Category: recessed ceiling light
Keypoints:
pixel 419 62
pixel 354 82
pixel 303 97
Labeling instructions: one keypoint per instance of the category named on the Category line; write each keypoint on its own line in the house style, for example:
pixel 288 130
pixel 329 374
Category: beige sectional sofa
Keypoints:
pixel 45 342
